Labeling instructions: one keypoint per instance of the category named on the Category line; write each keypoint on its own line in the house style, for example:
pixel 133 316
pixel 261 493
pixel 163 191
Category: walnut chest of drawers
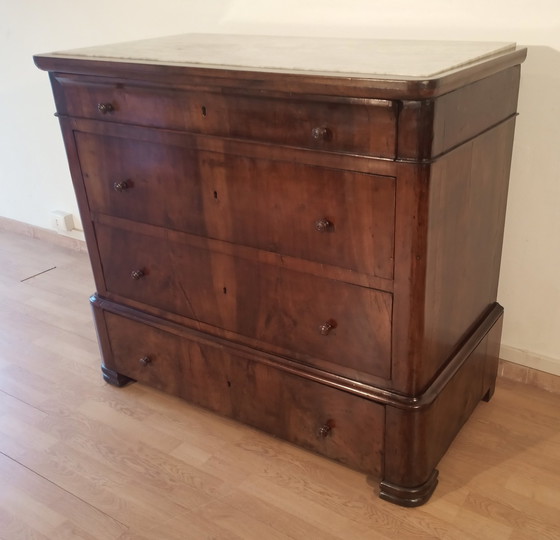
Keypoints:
pixel 301 234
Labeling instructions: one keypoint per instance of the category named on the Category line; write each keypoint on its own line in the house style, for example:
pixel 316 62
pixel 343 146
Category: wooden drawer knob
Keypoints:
pixel 105 108
pixel 145 360
pixel 137 274
pixel 321 134
pixel 326 327
pixel 121 186
pixel 325 430
pixel 323 225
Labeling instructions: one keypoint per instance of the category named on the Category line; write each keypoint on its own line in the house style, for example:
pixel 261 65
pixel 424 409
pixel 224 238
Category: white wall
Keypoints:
pixel 34 176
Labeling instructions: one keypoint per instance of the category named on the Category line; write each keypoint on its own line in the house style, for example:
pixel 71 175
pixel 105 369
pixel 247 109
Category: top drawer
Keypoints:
pixel 363 126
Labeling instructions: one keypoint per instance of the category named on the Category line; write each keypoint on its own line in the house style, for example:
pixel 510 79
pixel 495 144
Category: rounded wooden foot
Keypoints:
pixel 409 496
pixel 114 378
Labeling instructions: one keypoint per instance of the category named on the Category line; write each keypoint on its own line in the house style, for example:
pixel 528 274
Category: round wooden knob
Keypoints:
pixel 324 431
pixel 326 327
pixel 321 133
pixel 105 108
pixel 145 360
pixel 323 225
pixel 121 186
pixel 136 274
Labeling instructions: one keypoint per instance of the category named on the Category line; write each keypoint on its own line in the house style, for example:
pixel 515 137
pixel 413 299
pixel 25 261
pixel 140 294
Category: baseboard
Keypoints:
pixel 73 240
pixel 529 368
pixel 530 359
pixel 528 375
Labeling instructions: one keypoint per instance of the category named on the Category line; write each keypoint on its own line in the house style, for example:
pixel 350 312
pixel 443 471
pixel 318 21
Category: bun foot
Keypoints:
pixel 488 396
pixel 409 496
pixel 114 378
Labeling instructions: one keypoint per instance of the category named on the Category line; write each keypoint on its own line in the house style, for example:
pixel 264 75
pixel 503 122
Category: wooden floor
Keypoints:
pixel 80 459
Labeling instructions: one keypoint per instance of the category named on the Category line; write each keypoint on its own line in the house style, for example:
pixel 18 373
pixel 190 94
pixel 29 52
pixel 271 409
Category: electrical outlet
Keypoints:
pixel 62 221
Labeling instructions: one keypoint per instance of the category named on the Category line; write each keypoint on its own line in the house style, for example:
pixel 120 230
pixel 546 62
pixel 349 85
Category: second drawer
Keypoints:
pixel 335 217
pixel 345 325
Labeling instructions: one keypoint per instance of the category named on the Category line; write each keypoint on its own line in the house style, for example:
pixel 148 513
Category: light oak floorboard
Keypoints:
pixel 82 459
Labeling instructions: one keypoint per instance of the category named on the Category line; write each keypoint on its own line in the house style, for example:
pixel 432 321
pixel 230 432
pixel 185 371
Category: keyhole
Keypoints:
pixel 216 195
pixel 203 110
pixel 225 290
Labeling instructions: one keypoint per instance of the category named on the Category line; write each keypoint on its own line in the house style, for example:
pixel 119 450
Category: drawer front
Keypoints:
pixel 334 217
pixel 333 423
pixel 364 126
pixel 316 318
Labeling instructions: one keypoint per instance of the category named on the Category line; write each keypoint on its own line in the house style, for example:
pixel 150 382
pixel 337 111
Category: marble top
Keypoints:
pixel 364 57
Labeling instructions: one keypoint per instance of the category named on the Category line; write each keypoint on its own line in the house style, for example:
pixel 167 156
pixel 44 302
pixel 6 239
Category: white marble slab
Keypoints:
pixel 367 57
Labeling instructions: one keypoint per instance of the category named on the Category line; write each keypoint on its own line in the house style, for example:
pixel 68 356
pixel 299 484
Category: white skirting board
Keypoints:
pixel 530 359
pixel 71 240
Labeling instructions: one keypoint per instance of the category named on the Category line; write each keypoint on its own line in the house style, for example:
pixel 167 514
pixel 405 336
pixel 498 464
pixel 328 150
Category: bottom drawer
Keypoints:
pixel 331 422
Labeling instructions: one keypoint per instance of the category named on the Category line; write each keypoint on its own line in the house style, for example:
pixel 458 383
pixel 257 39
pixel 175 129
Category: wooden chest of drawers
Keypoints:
pixel 312 251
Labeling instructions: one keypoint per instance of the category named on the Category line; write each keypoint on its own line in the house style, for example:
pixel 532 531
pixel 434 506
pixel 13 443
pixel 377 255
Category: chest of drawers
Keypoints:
pixel 304 244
